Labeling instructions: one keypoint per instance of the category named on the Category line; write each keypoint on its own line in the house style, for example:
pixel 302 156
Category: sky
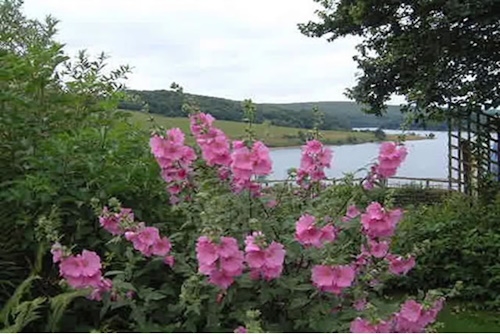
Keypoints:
pixel 234 49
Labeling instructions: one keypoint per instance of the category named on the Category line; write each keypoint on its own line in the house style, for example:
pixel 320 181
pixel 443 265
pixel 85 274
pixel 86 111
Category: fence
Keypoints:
pixel 396 182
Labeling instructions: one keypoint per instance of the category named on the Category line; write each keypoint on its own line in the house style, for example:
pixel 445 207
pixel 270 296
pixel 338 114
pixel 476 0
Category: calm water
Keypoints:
pixel 426 158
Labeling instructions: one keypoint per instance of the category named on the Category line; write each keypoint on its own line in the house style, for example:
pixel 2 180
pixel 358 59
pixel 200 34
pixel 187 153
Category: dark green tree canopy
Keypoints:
pixel 439 54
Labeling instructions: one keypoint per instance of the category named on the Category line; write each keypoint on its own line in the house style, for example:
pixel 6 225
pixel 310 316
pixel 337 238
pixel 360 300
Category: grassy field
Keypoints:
pixel 456 319
pixel 273 136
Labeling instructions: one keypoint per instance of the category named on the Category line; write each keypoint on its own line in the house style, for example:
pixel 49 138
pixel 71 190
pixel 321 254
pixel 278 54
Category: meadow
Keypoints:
pixel 272 136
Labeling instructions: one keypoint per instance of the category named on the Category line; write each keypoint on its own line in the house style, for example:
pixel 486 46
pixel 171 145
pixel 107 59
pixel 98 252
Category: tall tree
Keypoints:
pixel 439 54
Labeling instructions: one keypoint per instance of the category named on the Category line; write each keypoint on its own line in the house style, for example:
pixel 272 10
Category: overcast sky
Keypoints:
pixel 235 49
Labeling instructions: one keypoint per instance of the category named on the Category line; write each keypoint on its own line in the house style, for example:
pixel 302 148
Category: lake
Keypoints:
pixel 427 158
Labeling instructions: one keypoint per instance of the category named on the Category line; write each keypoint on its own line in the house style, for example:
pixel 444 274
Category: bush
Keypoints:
pixel 460 241
pixel 62 144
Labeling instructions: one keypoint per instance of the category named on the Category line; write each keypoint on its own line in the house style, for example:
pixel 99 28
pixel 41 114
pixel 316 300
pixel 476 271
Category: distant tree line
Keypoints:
pixel 337 115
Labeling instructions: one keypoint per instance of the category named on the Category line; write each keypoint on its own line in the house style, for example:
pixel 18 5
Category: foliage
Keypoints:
pixel 461 240
pixel 63 143
pixel 436 53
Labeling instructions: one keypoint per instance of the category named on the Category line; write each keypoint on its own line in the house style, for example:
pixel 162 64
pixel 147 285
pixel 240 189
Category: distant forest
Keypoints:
pixel 337 115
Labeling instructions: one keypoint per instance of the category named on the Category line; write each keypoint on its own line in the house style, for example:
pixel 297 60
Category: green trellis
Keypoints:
pixel 472 164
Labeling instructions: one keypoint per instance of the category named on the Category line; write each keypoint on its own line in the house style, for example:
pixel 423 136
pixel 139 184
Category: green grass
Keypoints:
pixel 273 136
pixel 456 319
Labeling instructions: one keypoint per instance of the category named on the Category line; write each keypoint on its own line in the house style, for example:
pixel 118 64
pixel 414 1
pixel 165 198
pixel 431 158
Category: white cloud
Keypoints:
pixel 228 48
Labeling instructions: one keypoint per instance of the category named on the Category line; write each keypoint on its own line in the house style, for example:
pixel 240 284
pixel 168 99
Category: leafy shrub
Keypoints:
pixel 62 144
pixel 460 242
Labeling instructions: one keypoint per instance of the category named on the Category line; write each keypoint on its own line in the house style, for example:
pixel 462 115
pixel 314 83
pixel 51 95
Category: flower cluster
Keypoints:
pixel 248 162
pixel 148 241
pixel 113 222
pixel 315 158
pixel 333 279
pixel 82 271
pixel 308 234
pixel 175 160
pixel 391 156
pixel 378 222
pixel 352 212
pixel 413 317
pixel 265 262
pixel 213 142
pixel 220 262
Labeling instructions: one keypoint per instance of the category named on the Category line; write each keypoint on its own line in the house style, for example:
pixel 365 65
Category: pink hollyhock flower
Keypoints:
pixel 378 249
pixel 360 304
pixel 262 161
pixel 308 234
pixel 169 260
pixel 220 262
pixel 144 239
pixel 362 259
pixel 147 240
pixel 359 325
pixel 378 222
pixel 265 262
pixel 82 271
pixel 207 254
pixel 221 278
pixel 161 247
pixel 110 222
pixel 413 317
pixel 57 252
pixel 174 158
pixel 391 156
pixel 333 279
pixel 241 329
pixel 105 285
pixel 399 265
pixel 315 158
pixel 328 234
pixel 352 211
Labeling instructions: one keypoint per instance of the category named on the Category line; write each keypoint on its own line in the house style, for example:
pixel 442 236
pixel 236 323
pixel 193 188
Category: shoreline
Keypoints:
pixel 389 138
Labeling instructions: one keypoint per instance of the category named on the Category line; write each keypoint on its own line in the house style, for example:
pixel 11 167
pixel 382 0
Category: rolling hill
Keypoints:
pixel 337 115
pixel 271 135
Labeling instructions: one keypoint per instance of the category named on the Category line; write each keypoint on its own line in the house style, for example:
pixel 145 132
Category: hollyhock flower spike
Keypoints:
pixel 308 234
pixel 82 271
pixel 315 158
pixel 266 262
pixel 391 156
pixel 333 279
pixel 220 262
pixel 174 158
pixel 379 222
pixel 399 265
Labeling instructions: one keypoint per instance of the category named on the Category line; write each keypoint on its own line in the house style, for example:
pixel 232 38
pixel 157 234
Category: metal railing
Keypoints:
pixel 396 182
